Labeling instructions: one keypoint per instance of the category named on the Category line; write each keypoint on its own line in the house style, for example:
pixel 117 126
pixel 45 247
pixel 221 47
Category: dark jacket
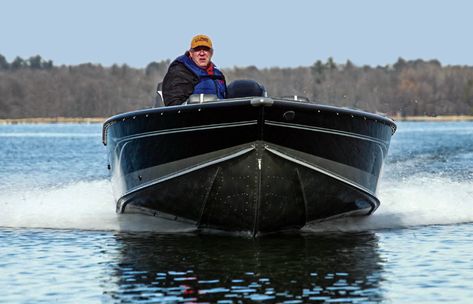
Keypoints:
pixel 185 78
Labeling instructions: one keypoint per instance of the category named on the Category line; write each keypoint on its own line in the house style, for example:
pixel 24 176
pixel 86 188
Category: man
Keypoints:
pixel 193 73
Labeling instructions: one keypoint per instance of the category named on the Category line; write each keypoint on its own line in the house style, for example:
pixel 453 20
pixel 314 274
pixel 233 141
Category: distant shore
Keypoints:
pixel 86 120
pixel 434 118
pixel 51 120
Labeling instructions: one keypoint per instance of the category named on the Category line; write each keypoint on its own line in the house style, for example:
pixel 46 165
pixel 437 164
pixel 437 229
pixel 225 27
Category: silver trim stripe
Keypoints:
pixel 319 169
pixel 180 130
pixel 324 130
pixel 188 170
pixel 190 129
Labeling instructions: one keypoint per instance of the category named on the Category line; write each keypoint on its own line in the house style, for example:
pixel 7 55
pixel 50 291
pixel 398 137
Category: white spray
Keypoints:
pixel 414 201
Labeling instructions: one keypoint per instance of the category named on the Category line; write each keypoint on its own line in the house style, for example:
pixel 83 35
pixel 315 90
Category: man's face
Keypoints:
pixel 201 56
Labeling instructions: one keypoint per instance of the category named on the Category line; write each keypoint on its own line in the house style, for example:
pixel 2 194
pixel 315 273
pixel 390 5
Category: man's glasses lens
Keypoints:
pixel 201 48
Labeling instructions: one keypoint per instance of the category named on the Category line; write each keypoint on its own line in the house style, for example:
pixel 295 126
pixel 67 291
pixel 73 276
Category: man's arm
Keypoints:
pixel 178 84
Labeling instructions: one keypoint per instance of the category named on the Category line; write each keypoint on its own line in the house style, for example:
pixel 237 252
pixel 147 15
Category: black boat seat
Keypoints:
pixel 245 88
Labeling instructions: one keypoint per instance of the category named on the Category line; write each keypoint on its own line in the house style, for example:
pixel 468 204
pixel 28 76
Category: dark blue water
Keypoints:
pixel 60 240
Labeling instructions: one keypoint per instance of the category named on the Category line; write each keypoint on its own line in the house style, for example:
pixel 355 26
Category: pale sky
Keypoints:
pixel 264 33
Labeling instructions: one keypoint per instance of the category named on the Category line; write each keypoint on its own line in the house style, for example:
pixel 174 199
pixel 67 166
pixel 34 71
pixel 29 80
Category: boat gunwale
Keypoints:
pixel 247 102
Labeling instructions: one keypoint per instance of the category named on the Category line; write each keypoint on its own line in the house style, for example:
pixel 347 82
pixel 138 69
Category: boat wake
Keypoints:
pixel 414 201
pixel 83 205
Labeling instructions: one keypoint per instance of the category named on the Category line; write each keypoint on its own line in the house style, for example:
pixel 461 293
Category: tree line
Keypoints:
pixel 35 87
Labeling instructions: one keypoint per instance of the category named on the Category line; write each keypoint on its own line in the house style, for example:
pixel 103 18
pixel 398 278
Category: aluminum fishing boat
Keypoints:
pixel 249 163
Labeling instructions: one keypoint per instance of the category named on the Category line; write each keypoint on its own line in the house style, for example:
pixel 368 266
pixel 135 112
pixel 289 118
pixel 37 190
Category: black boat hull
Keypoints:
pixel 254 165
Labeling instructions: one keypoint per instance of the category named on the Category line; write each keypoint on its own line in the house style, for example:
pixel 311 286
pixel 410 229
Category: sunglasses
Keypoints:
pixel 201 48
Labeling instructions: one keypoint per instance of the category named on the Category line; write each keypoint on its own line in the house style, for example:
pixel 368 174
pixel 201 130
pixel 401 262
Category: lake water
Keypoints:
pixel 61 241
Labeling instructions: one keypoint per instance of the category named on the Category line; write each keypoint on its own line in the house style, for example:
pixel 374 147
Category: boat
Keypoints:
pixel 249 163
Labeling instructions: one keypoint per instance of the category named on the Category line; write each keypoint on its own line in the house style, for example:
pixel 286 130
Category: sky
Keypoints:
pixel 262 33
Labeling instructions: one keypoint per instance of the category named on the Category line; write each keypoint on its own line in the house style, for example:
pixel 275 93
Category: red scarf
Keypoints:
pixel 210 69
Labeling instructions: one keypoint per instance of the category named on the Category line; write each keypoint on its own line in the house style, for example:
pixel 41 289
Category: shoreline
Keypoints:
pixel 51 120
pixel 439 118
pixel 88 120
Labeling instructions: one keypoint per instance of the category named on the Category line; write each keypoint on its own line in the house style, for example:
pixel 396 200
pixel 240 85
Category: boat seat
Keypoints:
pixel 159 96
pixel 245 88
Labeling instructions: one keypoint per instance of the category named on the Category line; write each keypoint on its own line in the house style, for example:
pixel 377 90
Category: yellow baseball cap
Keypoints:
pixel 201 40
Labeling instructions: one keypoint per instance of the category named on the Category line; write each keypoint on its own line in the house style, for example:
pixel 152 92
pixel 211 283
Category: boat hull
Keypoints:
pixel 254 165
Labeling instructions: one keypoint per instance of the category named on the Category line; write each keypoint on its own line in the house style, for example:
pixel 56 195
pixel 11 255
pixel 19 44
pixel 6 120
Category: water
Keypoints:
pixel 60 240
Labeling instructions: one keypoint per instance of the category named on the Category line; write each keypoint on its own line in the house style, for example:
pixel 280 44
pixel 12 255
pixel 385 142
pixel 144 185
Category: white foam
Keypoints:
pixel 414 201
pixel 83 205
